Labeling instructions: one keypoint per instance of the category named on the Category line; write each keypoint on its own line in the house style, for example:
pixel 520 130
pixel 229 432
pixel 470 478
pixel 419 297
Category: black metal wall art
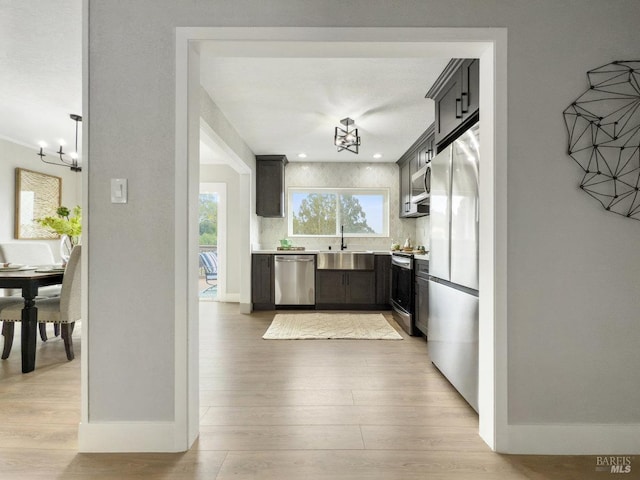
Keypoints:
pixel 603 125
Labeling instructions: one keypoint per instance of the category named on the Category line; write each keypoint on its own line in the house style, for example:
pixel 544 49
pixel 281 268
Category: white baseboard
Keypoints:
pixel 574 439
pixel 116 437
pixel 228 297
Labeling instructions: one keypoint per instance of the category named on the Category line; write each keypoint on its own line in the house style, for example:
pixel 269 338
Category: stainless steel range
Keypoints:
pixel 402 301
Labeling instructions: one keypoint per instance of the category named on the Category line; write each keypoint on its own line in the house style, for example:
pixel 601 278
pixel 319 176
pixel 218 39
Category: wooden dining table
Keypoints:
pixel 29 282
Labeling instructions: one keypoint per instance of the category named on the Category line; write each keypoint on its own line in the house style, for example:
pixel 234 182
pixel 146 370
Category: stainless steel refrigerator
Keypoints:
pixel 452 336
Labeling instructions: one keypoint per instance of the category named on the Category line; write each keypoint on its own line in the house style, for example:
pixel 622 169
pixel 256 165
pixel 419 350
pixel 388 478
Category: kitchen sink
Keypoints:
pixel 356 260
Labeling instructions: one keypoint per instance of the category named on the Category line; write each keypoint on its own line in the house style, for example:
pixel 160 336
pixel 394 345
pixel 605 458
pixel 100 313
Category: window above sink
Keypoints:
pixel 320 212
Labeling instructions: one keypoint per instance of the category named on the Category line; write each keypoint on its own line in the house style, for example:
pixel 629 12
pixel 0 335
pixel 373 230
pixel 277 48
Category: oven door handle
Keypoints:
pixel 401 262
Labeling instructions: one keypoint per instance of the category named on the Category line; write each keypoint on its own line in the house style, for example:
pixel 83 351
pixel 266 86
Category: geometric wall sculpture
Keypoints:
pixel 603 126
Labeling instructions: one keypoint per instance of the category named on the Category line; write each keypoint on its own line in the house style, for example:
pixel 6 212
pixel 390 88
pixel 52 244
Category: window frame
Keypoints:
pixel 384 191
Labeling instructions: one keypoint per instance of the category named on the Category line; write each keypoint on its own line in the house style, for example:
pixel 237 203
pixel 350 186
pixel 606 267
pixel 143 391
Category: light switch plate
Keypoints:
pixel 118 190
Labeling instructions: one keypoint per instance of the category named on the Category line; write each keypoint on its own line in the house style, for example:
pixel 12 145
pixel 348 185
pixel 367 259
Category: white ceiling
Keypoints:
pixel 278 105
pixel 291 105
pixel 40 70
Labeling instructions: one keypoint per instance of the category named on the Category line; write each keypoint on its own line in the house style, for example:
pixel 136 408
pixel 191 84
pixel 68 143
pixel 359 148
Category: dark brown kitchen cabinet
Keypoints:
pixel 330 287
pixel 456 95
pixel 340 288
pixel 361 288
pixel 421 296
pixel 262 282
pixel 382 266
pixel 427 149
pixel 411 161
pixel 405 188
pixel 471 87
pixel 270 185
pixel 448 106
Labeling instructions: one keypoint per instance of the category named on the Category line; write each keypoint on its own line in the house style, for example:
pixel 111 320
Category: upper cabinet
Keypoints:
pixel 270 185
pixel 456 96
pixel 416 157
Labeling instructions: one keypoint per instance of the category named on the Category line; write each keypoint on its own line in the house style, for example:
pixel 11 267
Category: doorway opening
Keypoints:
pixel 487 44
pixel 212 240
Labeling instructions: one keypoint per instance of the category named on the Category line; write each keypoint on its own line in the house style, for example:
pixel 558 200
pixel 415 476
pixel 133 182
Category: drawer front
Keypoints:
pixel 422 268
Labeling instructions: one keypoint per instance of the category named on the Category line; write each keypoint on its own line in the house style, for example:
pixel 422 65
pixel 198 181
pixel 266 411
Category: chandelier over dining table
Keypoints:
pixel 72 161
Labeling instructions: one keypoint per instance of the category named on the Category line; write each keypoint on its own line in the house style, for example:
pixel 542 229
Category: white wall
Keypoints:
pixel 14 156
pixel 362 175
pixel 215 127
pixel 573 333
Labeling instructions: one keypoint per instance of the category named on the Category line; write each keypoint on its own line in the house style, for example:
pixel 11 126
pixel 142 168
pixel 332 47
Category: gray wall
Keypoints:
pixel 573 327
pixel 14 156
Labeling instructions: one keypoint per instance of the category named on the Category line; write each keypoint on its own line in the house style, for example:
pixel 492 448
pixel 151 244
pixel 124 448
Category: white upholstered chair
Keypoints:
pixel 64 310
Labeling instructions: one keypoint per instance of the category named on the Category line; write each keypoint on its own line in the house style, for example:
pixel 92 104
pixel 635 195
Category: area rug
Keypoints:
pixel 307 326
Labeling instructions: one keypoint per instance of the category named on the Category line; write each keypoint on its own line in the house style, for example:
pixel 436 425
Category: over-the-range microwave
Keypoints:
pixel 421 185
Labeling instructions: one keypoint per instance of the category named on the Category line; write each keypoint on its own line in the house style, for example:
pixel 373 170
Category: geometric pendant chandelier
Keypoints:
pixel 603 126
pixel 347 138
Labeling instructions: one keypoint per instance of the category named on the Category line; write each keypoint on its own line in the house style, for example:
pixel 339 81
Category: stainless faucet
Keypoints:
pixel 343 246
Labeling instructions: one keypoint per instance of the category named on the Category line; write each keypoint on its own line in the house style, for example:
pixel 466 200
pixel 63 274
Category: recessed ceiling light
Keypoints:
pixel 377 155
pixel 302 155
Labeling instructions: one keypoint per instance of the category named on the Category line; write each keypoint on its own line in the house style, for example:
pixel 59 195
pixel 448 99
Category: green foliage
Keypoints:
pixel 64 223
pixel 208 218
pixel 352 216
pixel 209 239
pixel 317 215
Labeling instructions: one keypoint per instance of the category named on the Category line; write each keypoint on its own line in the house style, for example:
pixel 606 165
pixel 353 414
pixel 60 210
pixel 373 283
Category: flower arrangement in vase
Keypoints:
pixel 68 226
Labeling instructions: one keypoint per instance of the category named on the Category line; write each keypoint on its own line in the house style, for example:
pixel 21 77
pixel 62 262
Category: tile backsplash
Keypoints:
pixel 422 231
pixel 330 175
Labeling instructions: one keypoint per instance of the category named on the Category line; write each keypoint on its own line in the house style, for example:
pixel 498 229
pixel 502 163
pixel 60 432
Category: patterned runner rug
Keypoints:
pixel 303 326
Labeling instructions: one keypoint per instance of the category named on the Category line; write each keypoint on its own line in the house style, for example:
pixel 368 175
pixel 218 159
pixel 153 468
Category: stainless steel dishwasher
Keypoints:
pixel 295 279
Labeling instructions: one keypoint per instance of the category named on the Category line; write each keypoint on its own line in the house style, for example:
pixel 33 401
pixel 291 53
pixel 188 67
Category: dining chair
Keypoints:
pixel 31 253
pixel 64 310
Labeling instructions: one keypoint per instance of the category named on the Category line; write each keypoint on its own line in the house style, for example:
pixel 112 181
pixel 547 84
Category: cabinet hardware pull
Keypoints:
pixel 427 180
pixel 458 103
pixel 464 109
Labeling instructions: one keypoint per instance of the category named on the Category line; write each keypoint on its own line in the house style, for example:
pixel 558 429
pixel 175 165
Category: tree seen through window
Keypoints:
pixel 321 213
pixel 208 218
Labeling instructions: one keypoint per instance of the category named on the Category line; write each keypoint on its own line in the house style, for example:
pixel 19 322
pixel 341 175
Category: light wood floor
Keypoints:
pixel 274 409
